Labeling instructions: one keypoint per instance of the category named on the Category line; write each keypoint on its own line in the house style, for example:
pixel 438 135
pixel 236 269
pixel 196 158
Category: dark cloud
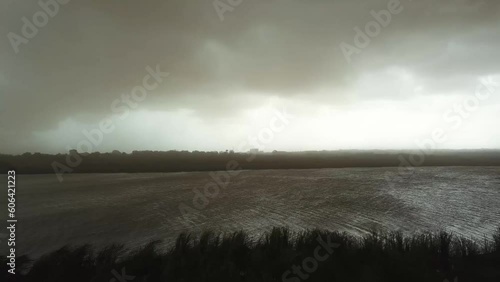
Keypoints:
pixel 93 51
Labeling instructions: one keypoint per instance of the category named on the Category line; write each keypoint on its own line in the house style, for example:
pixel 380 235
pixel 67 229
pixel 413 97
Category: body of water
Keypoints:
pixel 136 208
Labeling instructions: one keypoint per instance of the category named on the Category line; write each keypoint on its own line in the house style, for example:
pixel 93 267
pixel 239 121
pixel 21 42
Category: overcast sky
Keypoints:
pixel 286 73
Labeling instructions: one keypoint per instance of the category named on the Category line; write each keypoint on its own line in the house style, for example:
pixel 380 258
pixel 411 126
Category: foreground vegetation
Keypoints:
pixel 279 255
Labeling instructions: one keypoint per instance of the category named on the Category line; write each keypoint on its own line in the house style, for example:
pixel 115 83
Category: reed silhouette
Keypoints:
pixel 234 257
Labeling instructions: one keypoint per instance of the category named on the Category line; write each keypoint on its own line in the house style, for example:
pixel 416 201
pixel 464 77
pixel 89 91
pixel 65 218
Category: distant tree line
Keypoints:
pixel 176 161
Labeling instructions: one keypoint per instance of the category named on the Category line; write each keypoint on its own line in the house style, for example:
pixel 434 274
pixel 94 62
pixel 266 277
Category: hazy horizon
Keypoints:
pixel 394 151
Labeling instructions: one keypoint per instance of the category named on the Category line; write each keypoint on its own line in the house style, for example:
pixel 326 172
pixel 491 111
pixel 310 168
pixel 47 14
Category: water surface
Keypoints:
pixel 136 208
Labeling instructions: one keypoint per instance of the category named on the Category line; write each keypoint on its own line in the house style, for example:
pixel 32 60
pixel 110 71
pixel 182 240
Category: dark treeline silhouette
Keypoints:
pixel 279 255
pixel 175 161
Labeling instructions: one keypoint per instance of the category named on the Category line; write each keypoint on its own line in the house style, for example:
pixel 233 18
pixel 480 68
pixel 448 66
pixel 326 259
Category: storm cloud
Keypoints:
pixel 229 66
